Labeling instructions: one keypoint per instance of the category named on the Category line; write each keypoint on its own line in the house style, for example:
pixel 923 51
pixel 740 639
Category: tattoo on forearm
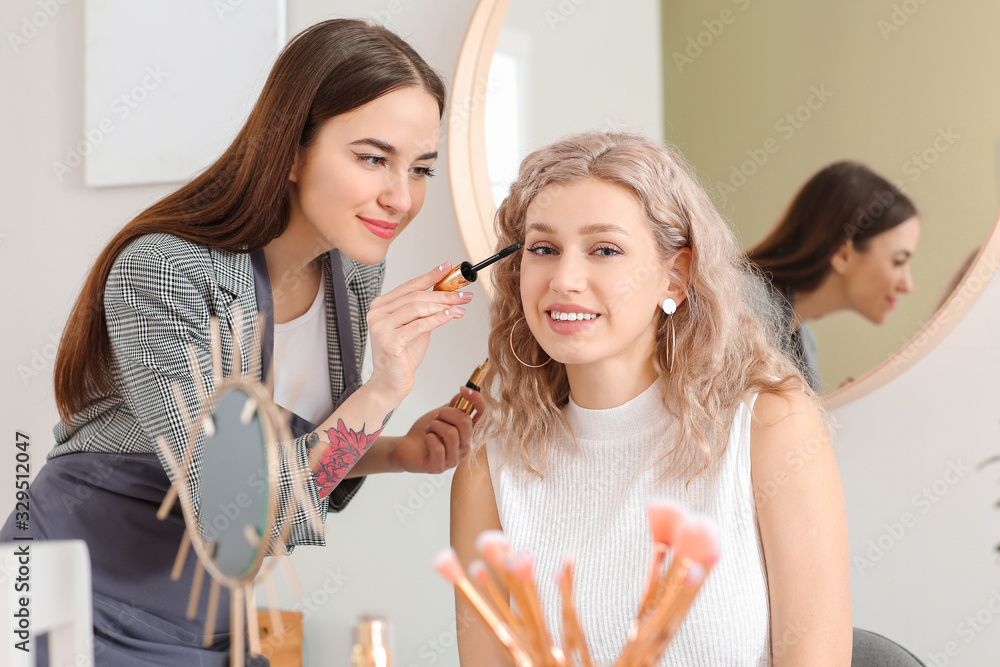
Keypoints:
pixel 346 447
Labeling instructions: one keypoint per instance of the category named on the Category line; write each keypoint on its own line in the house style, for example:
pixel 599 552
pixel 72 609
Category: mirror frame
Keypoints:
pixel 472 197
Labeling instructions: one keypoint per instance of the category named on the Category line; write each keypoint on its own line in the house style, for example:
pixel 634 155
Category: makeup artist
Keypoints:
pixel 293 220
pixel 845 243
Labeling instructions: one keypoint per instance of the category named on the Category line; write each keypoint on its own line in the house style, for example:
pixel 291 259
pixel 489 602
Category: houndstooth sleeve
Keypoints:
pixel 154 309
pixel 159 298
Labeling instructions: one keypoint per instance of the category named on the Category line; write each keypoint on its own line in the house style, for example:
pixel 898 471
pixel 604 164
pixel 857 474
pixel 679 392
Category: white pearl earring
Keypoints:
pixel 669 306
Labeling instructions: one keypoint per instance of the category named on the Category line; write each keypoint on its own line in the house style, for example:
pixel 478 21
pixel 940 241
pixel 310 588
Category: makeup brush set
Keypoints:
pixel 692 543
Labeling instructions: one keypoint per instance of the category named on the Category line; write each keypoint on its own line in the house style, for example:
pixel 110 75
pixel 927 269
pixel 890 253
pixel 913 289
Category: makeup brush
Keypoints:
pixel 495 549
pixel 664 517
pixel 666 602
pixel 497 553
pixel 696 550
pixel 448 565
pixel 521 567
pixel 669 621
pixel 482 576
pixel 466 273
pixel 574 642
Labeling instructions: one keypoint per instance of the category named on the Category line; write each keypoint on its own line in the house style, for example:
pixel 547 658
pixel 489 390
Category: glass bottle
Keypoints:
pixel 371 643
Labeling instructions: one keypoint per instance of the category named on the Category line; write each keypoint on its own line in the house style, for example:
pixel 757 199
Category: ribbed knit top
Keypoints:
pixel 592 504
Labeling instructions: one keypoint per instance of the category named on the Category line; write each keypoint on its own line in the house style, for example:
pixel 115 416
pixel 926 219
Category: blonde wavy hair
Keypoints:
pixel 728 338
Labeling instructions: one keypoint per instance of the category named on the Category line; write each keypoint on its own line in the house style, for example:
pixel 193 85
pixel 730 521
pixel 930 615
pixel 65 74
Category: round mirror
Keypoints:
pixel 236 497
pixel 758 97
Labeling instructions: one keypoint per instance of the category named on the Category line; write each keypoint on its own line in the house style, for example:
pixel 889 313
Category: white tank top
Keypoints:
pixel 301 355
pixel 593 505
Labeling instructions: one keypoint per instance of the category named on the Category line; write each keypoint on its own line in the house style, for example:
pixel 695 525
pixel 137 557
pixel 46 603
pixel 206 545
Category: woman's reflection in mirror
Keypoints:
pixel 844 243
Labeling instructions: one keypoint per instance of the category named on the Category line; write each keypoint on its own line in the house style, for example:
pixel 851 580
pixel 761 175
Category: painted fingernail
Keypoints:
pixel 457 310
pixel 444 267
pixel 465 390
pixel 465 295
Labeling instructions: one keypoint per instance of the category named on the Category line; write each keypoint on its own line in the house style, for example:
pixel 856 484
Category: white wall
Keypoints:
pixel 922 520
pixel 892 443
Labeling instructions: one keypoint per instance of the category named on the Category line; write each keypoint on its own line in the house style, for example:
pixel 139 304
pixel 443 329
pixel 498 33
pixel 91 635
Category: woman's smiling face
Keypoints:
pixel 365 176
pixel 876 276
pixel 592 275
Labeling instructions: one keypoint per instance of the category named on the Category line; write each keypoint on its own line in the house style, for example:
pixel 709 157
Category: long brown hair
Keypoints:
pixel 241 202
pixel 726 349
pixel 844 202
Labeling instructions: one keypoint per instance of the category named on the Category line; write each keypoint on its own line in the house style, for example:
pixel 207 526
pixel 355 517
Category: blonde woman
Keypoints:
pixel 628 362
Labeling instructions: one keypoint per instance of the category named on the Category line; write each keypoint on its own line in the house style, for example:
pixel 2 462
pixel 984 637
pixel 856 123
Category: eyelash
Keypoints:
pixel 614 251
pixel 380 161
pixel 535 248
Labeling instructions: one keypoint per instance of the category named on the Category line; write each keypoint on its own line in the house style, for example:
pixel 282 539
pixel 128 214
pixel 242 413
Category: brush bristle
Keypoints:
pixel 494 547
pixel 478 571
pixel 521 566
pixel 664 517
pixel 697 538
pixel 568 563
pixel 446 562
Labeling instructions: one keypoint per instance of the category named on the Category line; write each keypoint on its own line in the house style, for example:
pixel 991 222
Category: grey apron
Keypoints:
pixel 110 502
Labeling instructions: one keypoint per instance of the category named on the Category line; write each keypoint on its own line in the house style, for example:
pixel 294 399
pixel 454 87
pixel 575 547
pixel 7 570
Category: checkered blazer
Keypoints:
pixel 159 297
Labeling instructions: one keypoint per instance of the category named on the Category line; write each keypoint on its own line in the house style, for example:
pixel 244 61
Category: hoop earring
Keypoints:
pixel 673 343
pixel 510 340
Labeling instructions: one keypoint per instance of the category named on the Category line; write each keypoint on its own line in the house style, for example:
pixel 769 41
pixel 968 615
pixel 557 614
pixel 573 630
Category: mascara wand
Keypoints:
pixel 466 273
